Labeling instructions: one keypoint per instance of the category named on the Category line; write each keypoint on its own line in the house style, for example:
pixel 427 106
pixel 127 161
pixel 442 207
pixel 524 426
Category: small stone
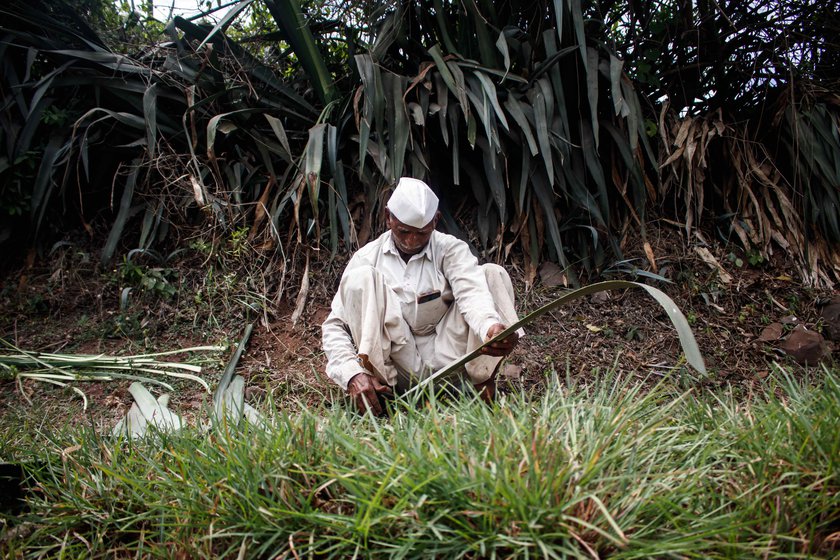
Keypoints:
pixel 512 371
pixel 551 275
pixel 804 346
pixel 600 298
pixel 830 315
pixel 771 333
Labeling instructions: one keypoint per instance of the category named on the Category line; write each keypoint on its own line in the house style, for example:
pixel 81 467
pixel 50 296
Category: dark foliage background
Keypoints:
pixel 551 130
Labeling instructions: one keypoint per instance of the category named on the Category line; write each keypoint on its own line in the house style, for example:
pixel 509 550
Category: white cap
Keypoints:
pixel 413 202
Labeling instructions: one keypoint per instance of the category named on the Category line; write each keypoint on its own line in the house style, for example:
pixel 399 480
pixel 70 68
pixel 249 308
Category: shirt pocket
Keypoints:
pixel 425 312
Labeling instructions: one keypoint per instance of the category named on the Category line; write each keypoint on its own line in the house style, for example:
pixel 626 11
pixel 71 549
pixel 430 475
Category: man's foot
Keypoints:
pixel 487 390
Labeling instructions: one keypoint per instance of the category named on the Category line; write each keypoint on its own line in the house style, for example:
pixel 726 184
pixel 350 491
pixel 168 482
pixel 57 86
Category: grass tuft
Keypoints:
pixel 596 470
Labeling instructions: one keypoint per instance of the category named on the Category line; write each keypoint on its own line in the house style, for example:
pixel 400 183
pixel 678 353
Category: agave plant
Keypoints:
pixel 180 128
pixel 528 114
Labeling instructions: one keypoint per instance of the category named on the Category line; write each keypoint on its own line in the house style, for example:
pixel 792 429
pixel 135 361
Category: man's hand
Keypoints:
pixel 364 389
pixel 501 347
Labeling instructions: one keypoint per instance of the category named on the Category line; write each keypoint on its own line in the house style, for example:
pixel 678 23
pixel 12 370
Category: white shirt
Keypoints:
pixel 445 264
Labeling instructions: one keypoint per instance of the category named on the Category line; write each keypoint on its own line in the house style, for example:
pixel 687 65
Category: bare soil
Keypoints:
pixel 66 304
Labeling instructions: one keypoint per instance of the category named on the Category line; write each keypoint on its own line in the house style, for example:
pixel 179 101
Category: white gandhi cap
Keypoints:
pixel 413 202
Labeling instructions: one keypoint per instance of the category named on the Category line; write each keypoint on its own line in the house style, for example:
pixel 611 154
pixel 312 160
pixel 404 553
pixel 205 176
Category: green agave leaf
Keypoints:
pixel 290 20
pixel 398 124
pixel 524 176
pixel 123 214
pixel 443 103
pixel 443 26
pixel 619 103
pixel 545 197
pixel 332 215
pixel 636 120
pixel 150 113
pixel 337 170
pixel 580 35
pixel 580 195
pixel 470 65
pixel 30 126
pixel 225 21
pixel 537 99
pixel 45 83
pixel 10 76
pixel 230 368
pixel 151 221
pixel 553 56
pixel 494 171
pixel 117 85
pixel 389 31
pixel 129 119
pixel 312 165
pixel 456 150
pixel 632 165
pixel 501 44
pixel 515 109
pixel 592 91
pixel 214 123
pixel 31 56
pixel 107 59
pixel 84 154
pixel 482 106
pixel 596 171
pixel 460 80
pixel 182 66
pixel 43 188
pixel 483 208
pixel 373 109
pixel 454 82
pixel 689 345
pixel 559 15
pixel 280 132
pixel 485 43
pixel 490 92
pixel 826 144
pixel 556 78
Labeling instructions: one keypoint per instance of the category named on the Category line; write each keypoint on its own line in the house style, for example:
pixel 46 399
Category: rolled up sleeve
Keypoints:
pixel 469 287
pixel 342 361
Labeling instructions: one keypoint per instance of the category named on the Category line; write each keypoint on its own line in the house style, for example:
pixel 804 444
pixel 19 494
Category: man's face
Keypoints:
pixel 410 240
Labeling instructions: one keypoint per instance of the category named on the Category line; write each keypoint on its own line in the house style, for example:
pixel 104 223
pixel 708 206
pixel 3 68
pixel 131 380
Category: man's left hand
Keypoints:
pixel 501 347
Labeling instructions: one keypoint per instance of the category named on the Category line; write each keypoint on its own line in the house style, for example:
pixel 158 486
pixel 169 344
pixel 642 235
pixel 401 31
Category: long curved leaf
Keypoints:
pixel 689 345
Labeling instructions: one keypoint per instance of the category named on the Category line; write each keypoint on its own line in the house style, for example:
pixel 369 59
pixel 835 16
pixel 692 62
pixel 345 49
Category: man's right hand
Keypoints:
pixel 364 389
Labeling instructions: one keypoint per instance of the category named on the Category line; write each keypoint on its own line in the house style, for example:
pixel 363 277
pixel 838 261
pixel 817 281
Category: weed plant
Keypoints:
pixel 605 469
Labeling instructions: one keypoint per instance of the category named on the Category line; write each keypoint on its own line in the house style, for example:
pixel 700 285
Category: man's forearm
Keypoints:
pixel 342 358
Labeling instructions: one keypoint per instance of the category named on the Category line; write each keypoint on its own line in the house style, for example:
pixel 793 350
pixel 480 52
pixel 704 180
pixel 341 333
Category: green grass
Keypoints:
pixel 605 469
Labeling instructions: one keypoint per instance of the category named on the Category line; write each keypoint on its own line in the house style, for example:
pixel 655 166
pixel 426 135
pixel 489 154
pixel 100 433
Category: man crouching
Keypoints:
pixel 412 301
